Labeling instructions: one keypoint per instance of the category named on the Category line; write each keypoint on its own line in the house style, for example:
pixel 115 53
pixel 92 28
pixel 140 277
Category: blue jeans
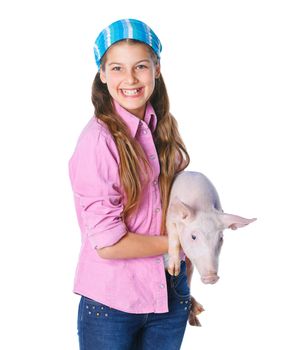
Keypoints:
pixel 103 328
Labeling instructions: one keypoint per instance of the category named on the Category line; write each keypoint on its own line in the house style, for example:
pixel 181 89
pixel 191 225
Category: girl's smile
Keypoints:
pixel 132 93
pixel 130 72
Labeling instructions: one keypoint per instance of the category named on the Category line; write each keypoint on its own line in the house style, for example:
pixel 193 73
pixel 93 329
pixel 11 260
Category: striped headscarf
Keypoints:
pixel 125 29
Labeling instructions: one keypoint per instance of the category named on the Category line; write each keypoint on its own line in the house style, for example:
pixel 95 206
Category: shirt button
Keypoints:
pixel 162 285
pixel 157 210
pixel 152 156
pixel 155 182
pixel 144 131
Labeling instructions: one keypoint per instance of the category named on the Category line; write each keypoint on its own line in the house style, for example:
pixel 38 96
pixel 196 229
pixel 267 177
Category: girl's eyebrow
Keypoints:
pixel 120 64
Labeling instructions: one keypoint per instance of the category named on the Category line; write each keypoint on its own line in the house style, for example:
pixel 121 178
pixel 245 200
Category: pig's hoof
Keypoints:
pixel 174 269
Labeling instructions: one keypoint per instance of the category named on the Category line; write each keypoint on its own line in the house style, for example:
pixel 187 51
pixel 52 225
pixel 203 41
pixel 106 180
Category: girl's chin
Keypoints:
pixel 128 105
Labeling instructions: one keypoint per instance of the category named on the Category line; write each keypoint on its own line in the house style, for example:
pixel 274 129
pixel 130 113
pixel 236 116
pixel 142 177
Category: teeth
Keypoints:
pixel 131 92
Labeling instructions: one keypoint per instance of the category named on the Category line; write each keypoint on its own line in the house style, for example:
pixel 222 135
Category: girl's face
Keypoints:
pixel 130 72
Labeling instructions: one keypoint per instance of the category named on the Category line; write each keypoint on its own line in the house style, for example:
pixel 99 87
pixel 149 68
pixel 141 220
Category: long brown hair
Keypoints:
pixel 134 166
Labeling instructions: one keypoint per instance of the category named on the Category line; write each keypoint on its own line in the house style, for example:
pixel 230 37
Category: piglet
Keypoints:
pixel 195 223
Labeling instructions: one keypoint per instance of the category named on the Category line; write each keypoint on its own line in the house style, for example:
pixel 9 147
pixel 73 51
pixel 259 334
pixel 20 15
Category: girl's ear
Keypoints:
pixel 158 71
pixel 102 76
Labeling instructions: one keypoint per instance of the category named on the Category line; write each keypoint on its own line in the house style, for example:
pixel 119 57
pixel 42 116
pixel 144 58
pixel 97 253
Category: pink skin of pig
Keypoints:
pixel 195 223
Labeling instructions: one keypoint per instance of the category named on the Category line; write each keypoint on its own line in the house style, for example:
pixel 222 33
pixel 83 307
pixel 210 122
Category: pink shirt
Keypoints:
pixel 130 285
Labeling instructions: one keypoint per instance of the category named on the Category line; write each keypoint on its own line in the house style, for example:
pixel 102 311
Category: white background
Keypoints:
pixel 221 63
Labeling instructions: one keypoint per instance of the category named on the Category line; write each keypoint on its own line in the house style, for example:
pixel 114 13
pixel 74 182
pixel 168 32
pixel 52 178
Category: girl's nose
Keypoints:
pixel 131 78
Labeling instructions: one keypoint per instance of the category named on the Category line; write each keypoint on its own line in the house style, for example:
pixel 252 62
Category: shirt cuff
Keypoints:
pixel 108 238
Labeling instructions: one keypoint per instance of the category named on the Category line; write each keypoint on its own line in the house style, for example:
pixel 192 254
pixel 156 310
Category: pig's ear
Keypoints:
pixel 180 210
pixel 234 221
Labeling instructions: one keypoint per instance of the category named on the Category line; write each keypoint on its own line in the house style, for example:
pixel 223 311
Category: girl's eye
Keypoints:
pixel 116 68
pixel 141 66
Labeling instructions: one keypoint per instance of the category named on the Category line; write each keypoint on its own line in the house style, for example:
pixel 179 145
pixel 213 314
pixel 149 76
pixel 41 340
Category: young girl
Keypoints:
pixel 121 174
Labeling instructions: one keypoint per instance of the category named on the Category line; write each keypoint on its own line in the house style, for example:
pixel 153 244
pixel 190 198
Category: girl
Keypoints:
pixel 121 173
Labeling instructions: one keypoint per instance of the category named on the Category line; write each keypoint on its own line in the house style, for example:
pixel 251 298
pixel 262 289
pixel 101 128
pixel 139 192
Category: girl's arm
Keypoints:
pixel 134 245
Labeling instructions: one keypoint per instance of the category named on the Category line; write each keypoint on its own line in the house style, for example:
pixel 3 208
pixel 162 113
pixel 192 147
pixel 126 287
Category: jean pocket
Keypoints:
pixel 90 308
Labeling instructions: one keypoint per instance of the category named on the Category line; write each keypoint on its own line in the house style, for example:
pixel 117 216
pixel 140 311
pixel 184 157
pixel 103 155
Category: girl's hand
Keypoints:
pixel 196 309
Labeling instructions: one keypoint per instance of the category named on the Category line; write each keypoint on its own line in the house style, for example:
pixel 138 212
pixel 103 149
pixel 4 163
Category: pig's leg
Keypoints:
pixel 173 250
pixel 196 308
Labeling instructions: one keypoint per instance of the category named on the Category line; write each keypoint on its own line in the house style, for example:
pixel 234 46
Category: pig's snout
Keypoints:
pixel 210 279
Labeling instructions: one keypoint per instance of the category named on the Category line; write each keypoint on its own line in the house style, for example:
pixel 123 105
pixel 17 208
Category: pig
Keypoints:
pixel 195 222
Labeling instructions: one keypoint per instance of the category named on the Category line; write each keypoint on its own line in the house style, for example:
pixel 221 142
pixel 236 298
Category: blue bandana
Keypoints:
pixel 125 29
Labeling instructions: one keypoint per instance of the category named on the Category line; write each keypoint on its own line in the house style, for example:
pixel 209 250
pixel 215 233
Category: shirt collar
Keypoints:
pixel 134 122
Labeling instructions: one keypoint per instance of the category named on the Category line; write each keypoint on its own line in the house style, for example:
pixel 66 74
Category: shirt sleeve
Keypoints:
pixel 94 176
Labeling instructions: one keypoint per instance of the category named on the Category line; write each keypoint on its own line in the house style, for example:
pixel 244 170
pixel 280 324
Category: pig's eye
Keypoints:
pixel 193 237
